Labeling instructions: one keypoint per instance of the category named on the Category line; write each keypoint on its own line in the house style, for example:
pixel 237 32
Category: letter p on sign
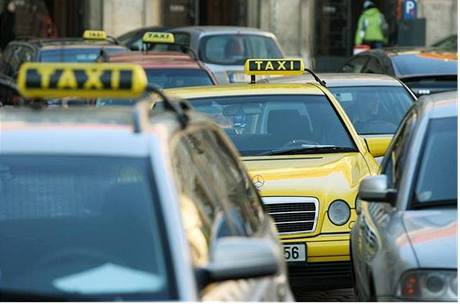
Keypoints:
pixel 410 9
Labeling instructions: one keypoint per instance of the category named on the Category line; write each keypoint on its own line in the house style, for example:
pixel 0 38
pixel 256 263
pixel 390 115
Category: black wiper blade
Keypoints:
pixel 308 150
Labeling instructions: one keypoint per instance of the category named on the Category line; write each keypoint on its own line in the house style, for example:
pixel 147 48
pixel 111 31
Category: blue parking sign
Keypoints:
pixel 409 9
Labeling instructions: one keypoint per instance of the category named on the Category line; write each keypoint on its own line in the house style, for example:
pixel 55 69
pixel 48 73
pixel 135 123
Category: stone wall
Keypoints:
pixel 292 22
pixel 441 18
pixel 120 16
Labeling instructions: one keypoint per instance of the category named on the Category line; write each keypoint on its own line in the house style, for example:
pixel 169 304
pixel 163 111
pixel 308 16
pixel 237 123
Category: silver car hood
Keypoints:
pixel 433 237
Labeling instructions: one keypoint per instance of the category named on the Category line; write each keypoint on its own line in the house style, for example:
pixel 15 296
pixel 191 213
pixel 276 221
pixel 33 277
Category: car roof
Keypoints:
pixel 395 51
pixel 146 29
pixel 76 130
pixel 176 60
pixel 70 42
pixel 245 90
pixel 81 46
pixel 105 131
pixel 440 105
pixel 221 29
pixel 342 79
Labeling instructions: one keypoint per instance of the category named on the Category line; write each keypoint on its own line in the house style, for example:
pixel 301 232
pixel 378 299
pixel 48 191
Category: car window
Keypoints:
pixel 82 225
pixel 393 164
pixel 374 109
pixel 172 78
pixel 203 216
pixel 244 204
pixel 276 124
pixel 15 60
pixel 373 66
pixel 437 170
pixel 86 55
pixel 355 65
pixel 425 63
pixel 234 49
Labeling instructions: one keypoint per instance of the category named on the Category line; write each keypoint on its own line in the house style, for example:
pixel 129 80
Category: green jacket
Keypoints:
pixel 371 27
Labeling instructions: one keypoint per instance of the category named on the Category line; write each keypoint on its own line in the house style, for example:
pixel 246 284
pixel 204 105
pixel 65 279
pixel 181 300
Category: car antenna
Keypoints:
pixel 178 108
pixel 316 77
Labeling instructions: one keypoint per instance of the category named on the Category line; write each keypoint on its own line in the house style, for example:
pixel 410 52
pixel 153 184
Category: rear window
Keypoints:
pixel 172 78
pixel 376 109
pixel 424 63
pixel 81 225
pixel 85 55
pixel 234 49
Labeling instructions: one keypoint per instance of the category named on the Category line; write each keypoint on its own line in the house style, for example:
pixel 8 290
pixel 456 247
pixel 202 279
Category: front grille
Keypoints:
pixel 293 214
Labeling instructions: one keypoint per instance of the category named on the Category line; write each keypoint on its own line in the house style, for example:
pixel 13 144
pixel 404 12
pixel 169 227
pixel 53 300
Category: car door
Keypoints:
pixel 374 217
pixel 241 214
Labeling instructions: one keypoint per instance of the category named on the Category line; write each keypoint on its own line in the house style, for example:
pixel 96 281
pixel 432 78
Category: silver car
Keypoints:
pixel 375 103
pixel 404 242
pixel 109 204
pixel 224 49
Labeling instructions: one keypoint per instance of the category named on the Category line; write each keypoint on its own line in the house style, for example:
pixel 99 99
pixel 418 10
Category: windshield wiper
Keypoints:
pixel 308 150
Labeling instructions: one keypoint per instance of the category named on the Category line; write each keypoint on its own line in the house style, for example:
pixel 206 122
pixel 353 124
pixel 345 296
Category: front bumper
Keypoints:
pixel 328 264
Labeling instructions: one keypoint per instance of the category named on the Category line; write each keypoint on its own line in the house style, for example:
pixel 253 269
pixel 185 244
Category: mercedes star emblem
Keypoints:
pixel 258 181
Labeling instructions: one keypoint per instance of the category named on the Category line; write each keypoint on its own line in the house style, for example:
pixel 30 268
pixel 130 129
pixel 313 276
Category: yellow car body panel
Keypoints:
pixel 326 177
pixel 378 144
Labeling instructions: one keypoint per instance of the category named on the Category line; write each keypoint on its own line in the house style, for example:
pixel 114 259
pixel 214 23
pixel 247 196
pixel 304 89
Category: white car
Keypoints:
pixel 224 50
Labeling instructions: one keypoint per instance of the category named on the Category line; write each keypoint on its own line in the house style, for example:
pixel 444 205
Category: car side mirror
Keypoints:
pixel 375 189
pixel 378 145
pixel 242 258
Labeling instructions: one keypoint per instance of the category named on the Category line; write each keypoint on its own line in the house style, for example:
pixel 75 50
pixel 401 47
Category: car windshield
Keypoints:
pixel 86 55
pixel 165 78
pixel 374 110
pixel 278 124
pixel 425 63
pixel 172 78
pixel 437 177
pixel 234 49
pixel 85 226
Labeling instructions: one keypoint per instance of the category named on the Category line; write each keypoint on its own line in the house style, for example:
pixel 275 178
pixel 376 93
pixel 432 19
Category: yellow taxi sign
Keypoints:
pixel 274 67
pixel 85 80
pixel 158 38
pixel 94 35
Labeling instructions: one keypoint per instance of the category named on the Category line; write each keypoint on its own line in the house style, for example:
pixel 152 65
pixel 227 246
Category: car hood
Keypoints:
pixel 433 237
pixel 327 177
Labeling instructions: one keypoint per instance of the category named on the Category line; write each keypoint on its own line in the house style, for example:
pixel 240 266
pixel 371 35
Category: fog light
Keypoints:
pixel 339 212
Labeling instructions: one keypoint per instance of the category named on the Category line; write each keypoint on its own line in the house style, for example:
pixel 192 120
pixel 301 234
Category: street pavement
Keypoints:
pixel 339 295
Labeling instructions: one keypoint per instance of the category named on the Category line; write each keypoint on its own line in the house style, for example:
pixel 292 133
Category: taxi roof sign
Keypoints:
pixel 85 80
pixel 94 35
pixel 274 67
pixel 158 38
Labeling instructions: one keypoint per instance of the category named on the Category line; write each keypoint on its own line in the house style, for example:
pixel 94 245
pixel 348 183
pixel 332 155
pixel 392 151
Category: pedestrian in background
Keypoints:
pixel 372 27
pixel 7 23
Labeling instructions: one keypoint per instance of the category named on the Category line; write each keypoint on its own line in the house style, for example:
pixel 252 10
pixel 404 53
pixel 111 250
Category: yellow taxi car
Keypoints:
pixel 304 156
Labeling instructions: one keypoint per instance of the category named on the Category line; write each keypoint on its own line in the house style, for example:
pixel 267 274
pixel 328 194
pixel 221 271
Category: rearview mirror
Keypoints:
pixel 375 189
pixel 242 258
pixel 378 145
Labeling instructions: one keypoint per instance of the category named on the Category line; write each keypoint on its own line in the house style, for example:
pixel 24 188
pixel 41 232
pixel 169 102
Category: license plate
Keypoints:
pixel 295 252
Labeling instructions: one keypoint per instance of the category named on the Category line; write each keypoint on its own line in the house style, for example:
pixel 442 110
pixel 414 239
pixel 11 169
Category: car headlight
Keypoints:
pixel 339 212
pixel 428 285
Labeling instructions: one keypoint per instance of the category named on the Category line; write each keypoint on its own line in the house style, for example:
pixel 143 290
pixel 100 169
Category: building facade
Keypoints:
pixel 320 31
